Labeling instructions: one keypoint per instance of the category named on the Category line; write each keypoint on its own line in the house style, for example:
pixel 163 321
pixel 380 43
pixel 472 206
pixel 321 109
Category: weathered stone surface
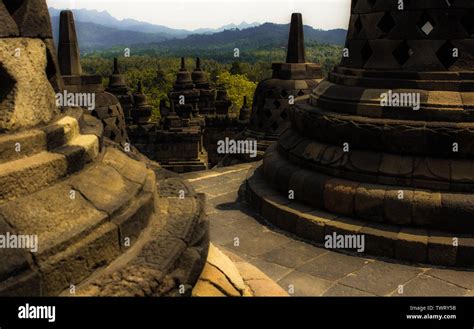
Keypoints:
pixel 291 255
pixel 56 205
pixel 26 284
pixel 31 17
pixel 207 289
pixel 276 215
pixel 78 261
pixel 219 280
pixel 343 226
pixel 442 249
pixel 398 206
pixel 8 27
pixel 412 244
pixel 14 261
pixel 339 196
pixel 217 259
pixel 426 209
pixel 369 202
pixel 105 188
pixel 458 208
pixel 32 141
pixel 29 175
pixel 68 47
pixel 380 278
pixel 131 169
pixel 311 225
pixel 134 219
pixel 424 285
pixel 52 69
pixel 380 239
pixel 333 266
pixel 465 250
pixel 27 97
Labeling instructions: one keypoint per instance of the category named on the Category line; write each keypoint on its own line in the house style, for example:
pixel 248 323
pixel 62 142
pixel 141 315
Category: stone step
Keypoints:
pixel 377 203
pixel 434 139
pixel 393 241
pixel 107 221
pixel 169 255
pixel 24 144
pixel 455 175
pixel 28 175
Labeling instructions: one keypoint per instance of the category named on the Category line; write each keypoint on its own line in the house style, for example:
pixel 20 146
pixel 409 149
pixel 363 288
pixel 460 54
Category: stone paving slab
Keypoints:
pixel 333 266
pixel 302 284
pixel 424 285
pixel 293 254
pixel 311 270
pixel 339 290
pixel 380 278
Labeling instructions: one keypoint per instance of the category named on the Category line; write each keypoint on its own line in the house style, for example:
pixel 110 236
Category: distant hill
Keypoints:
pixel 265 35
pixel 97 37
pixel 105 19
pixel 232 26
pixel 100 30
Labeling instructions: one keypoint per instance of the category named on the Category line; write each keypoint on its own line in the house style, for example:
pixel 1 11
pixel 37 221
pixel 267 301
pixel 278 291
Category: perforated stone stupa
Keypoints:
pixel 360 161
pixel 75 199
pixel 292 82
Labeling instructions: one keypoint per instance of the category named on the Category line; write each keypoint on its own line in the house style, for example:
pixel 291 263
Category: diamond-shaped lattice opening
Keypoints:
pixel 366 52
pixel 468 22
pixel 274 126
pixel 358 25
pixel 284 115
pixel 268 113
pixel 446 54
pixel 386 23
pixel 402 53
pixel 301 93
pixel 13 5
pixel 276 104
pixel 426 24
pixel 7 83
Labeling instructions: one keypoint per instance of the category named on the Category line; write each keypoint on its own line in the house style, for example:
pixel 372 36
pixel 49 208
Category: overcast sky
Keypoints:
pixel 193 14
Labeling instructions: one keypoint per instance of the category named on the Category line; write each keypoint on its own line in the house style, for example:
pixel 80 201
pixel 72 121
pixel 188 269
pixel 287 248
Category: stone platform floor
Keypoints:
pixel 303 269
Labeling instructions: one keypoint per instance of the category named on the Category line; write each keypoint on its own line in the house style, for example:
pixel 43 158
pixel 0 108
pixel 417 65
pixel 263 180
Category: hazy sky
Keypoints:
pixel 193 14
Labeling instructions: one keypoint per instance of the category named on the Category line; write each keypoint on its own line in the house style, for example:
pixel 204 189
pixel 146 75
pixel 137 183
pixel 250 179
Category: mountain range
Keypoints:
pixel 98 30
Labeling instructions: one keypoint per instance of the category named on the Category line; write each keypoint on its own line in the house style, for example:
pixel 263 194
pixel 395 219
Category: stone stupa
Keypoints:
pixel 358 162
pixel 119 88
pixel 292 82
pixel 107 107
pixel 93 219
